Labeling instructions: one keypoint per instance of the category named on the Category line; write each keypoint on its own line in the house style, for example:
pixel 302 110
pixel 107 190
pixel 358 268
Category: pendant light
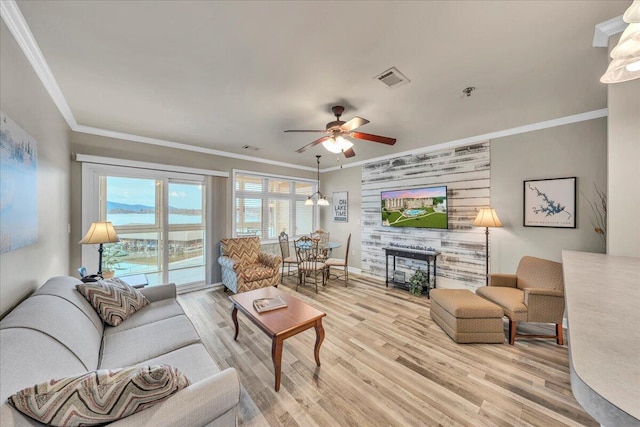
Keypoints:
pixel 322 200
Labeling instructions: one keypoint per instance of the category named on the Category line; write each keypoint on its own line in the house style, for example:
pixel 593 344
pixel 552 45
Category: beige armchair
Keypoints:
pixel 245 268
pixel 534 294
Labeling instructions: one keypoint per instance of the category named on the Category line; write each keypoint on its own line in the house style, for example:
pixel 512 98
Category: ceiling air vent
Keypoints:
pixel 393 78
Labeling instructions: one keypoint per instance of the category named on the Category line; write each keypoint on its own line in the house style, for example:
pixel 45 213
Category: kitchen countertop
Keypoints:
pixel 603 310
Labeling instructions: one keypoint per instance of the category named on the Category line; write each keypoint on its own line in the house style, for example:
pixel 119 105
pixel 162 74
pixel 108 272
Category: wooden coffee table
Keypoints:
pixel 281 323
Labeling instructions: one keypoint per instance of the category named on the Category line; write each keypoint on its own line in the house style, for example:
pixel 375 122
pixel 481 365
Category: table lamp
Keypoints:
pixel 487 217
pixel 100 232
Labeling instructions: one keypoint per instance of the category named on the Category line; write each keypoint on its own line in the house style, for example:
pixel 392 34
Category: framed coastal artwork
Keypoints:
pixel 18 187
pixel 340 206
pixel 550 203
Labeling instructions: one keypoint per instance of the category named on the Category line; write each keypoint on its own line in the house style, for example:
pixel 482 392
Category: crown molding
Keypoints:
pixel 604 30
pixel 12 16
pixel 582 117
pixel 180 146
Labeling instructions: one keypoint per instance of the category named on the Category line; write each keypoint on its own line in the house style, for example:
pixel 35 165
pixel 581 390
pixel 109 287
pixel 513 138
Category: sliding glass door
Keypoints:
pixel 160 219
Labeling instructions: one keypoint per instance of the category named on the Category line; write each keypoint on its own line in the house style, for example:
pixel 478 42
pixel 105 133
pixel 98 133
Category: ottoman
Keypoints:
pixel 466 317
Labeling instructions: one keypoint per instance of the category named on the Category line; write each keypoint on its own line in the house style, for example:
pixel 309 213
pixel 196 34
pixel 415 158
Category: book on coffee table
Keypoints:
pixel 267 304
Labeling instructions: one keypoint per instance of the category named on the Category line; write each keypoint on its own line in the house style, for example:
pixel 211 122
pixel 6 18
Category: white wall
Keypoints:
pixel 579 150
pixel 624 169
pixel 26 102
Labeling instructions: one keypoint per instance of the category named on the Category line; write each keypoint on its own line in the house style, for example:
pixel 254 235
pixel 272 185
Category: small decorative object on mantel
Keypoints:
pixel 550 203
pixel 341 206
pixel 418 282
pixel 267 304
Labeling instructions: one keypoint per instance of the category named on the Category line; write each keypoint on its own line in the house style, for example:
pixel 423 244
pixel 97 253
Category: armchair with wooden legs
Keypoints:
pixel 534 294
pixel 340 263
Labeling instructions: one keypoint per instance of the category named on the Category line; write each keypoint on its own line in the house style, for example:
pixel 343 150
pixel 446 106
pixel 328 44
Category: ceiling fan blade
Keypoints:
pixel 349 153
pixel 356 122
pixel 312 144
pixel 374 138
pixel 305 130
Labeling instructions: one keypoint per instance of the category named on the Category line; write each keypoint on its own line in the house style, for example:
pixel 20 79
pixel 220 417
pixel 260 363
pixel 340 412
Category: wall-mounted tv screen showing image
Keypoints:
pixel 418 207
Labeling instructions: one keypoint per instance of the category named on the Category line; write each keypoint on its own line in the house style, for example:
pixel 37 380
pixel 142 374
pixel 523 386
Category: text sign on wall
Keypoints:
pixel 340 206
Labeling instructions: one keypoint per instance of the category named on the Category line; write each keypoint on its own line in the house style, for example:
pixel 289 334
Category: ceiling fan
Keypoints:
pixel 336 131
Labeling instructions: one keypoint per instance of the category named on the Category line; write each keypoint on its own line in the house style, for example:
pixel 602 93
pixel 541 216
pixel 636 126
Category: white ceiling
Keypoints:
pixel 224 74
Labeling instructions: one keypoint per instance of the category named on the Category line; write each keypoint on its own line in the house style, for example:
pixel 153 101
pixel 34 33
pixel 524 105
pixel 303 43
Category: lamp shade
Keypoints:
pixel 487 217
pixel 100 232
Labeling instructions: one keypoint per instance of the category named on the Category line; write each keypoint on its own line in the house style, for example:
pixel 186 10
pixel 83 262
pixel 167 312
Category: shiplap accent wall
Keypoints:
pixel 465 171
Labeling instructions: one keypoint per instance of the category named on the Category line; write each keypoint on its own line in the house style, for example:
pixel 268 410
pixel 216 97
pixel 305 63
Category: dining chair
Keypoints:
pixel 323 238
pixel 340 263
pixel 308 263
pixel 287 259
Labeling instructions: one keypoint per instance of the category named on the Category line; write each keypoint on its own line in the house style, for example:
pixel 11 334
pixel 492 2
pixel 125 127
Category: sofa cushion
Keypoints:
pixel 464 304
pixel 193 360
pixel 113 299
pixel 510 299
pixel 60 320
pixel 98 397
pixel 151 313
pixel 245 249
pixel 28 357
pixel 136 345
pixel 65 287
pixel 253 272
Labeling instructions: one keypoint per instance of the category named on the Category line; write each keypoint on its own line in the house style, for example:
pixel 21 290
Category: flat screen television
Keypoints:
pixel 416 207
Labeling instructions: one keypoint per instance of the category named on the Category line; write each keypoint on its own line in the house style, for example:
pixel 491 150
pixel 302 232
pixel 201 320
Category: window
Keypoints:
pixel 266 205
pixel 160 219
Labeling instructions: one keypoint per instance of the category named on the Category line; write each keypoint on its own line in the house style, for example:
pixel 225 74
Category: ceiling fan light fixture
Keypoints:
pixel 343 143
pixel 625 63
pixel 331 145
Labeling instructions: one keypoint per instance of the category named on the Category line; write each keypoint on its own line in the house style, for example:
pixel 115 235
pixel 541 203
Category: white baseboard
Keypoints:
pixel 194 287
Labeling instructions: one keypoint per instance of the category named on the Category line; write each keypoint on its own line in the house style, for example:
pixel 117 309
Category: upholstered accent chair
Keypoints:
pixel 534 294
pixel 342 264
pixel 245 268
pixel 287 260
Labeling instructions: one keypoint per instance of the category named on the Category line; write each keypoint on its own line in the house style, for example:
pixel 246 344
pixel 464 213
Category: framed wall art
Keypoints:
pixel 18 186
pixel 341 206
pixel 550 203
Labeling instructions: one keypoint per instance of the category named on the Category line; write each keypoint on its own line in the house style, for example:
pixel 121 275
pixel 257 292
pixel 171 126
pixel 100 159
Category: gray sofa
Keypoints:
pixel 56 332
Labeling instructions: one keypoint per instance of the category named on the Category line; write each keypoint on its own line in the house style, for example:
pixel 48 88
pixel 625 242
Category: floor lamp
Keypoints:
pixel 487 217
pixel 99 233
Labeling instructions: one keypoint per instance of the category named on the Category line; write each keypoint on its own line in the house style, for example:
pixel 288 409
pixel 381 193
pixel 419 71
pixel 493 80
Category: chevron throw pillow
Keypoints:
pixel 98 397
pixel 113 299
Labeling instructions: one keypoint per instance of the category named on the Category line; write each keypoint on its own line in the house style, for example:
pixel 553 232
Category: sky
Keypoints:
pixel 415 193
pixel 137 191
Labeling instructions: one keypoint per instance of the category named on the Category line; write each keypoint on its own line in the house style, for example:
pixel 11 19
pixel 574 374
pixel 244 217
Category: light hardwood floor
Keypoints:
pixel 385 363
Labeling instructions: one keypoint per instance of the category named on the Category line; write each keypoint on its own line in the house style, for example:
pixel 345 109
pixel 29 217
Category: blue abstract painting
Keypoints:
pixel 18 187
